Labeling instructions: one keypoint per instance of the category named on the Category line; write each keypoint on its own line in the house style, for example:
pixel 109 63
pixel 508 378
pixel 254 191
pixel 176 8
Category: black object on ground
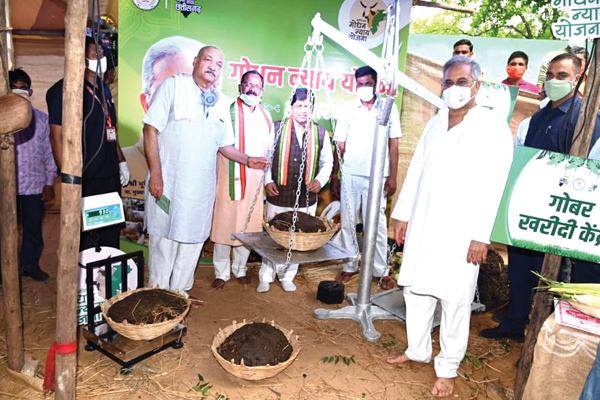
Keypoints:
pixel 330 292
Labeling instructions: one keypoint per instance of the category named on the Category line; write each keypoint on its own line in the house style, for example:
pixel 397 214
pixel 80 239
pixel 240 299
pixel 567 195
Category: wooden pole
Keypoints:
pixel 4 24
pixel 68 246
pixel 542 301
pixel 13 313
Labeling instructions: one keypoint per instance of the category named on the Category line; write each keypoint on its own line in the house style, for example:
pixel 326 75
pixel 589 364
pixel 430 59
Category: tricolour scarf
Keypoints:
pixel 237 171
pixel 285 144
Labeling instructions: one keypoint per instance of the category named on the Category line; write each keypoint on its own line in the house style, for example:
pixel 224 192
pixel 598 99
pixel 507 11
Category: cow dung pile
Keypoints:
pixel 257 344
pixel 493 281
pixel 148 307
pixel 305 223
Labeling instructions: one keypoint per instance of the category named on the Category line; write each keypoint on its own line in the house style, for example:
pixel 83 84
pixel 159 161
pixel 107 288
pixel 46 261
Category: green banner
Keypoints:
pixel 268 36
pixel 550 205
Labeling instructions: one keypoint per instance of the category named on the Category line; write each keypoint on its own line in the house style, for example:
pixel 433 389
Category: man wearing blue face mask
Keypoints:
pixel 551 129
pixel 104 166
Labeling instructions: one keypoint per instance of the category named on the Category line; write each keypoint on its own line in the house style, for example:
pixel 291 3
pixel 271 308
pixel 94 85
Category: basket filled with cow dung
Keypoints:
pixel 310 232
pixel 145 313
pixel 255 351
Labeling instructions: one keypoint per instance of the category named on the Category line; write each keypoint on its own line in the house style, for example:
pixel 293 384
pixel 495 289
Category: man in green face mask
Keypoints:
pixel 551 128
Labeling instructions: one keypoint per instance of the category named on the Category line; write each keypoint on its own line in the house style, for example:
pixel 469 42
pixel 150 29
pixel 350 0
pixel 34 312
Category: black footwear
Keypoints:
pixel 36 274
pixel 497 333
pixel 500 315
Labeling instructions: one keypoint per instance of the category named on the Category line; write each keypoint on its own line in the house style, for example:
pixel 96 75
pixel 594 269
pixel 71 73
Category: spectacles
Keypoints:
pixel 462 82
pixel 251 86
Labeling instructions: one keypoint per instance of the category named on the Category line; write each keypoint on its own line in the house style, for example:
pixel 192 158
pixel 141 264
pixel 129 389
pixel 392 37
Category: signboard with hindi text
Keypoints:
pixel 551 203
pixel 583 20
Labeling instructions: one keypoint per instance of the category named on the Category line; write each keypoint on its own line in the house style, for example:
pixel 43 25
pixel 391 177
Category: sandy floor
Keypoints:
pixel 487 372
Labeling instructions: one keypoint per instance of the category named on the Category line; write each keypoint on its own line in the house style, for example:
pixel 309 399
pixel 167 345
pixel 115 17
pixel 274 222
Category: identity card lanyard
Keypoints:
pixel 111 131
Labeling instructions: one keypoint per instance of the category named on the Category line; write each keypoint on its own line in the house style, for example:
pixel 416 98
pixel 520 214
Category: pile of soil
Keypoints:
pixel 493 281
pixel 258 344
pixel 148 307
pixel 305 223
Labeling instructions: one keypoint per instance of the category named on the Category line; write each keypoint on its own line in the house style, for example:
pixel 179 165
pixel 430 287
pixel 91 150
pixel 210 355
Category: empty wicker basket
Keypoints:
pixel 303 241
pixel 253 373
pixel 143 331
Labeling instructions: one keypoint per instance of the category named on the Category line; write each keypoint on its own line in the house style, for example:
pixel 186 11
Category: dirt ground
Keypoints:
pixel 487 372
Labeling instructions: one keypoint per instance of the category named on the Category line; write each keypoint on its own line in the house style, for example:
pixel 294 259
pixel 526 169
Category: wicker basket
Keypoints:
pixel 253 373
pixel 144 331
pixel 303 241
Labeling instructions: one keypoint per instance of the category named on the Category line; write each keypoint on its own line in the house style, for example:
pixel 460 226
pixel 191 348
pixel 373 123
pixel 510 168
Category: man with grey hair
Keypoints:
pixel 448 205
pixel 187 124
pixel 167 57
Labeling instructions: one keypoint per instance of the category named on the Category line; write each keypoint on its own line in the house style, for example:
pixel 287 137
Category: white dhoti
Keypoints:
pixel 223 265
pixel 268 269
pixel 355 189
pixel 171 264
pixel 454 330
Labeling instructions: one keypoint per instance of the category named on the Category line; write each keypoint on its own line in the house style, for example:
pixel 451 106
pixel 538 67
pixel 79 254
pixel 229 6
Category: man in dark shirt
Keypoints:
pixel 104 166
pixel 551 129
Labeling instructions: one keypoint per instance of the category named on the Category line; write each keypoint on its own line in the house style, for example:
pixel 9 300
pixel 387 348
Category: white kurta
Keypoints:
pixel 188 158
pixel 451 196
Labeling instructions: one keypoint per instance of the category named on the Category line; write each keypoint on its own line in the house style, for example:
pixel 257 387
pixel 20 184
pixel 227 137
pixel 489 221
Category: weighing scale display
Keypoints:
pixel 103 215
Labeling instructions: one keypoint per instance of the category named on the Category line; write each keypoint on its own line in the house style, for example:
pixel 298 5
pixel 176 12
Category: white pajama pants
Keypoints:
pixel 454 330
pixel 171 264
pixel 356 189
pixel 222 262
pixel 268 269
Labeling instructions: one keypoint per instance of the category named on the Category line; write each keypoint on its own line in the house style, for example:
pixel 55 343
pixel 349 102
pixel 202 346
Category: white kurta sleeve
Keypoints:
pixel 522 132
pixel 342 125
pixel 395 131
pixel 404 205
pixel 160 105
pixel 498 158
pixel 325 161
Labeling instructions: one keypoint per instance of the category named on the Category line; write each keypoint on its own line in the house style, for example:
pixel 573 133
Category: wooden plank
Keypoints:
pixel 581 144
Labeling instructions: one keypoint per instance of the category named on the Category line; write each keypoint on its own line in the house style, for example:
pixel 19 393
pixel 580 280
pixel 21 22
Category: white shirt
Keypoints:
pixel 356 128
pixel 522 133
pixel 450 197
pixel 325 156
pixel 595 151
pixel 188 158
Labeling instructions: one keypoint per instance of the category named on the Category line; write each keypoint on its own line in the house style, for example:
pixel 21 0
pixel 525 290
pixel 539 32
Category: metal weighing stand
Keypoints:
pixel 101 337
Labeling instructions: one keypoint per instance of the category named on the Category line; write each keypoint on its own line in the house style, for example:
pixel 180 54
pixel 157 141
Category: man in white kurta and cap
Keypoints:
pixel 186 125
pixel 237 185
pixel 446 211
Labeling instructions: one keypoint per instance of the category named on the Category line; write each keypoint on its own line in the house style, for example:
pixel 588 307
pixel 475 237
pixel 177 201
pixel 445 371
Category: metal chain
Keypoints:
pixel 387 268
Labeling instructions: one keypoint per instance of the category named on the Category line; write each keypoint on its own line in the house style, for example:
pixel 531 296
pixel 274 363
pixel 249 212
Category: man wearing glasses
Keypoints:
pixel 447 207
pixel 237 185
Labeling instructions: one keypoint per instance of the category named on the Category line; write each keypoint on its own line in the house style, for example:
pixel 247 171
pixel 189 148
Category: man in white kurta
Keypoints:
pixel 354 133
pixel 237 189
pixel 446 212
pixel 183 131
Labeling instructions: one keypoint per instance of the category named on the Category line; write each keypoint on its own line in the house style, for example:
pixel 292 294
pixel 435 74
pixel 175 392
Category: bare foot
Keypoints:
pixel 397 358
pixel 443 387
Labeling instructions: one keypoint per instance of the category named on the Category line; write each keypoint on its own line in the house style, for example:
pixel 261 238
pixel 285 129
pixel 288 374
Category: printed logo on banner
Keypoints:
pixel 187 7
pixel 364 21
pixel 146 5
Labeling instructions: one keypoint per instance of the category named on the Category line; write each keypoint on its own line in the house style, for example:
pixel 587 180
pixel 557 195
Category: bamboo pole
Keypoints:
pixel 68 247
pixel 13 313
pixel 4 23
pixel 542 302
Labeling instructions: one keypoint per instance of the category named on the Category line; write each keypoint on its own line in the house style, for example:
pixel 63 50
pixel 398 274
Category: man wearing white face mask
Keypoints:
pixel 104 166
pixel 448 205
pixel 237 185
pixel 354 133
pixel 551 128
